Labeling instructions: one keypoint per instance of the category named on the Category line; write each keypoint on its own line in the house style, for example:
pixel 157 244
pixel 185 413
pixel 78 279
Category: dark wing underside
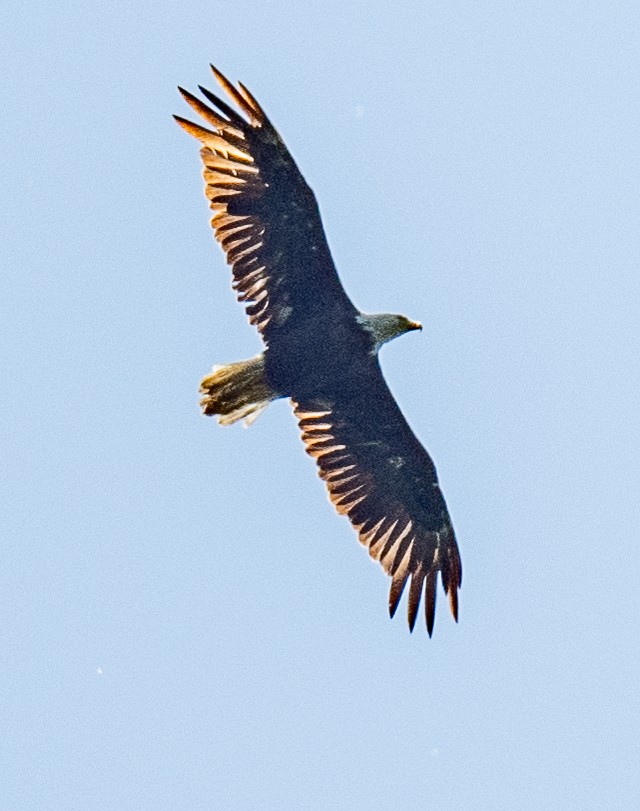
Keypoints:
pixel 265 215
pixel 380 476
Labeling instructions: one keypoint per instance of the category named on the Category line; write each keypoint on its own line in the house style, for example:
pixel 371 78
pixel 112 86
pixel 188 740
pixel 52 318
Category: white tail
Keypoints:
pixel 236 391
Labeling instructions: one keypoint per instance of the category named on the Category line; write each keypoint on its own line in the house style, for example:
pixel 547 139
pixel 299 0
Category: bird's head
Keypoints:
pixel 386 326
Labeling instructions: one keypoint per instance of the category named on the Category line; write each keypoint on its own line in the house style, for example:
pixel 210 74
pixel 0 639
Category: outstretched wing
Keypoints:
pixel 380 476
pixel 266 217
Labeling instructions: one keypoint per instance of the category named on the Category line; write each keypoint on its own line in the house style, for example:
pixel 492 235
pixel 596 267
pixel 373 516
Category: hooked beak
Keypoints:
pixel 415 325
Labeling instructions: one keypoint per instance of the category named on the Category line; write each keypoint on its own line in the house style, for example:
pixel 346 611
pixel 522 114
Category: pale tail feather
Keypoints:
pixel 236 391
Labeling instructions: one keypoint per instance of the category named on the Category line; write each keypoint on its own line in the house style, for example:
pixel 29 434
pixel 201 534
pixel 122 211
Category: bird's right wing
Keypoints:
pixel 379 475
pixel 266 217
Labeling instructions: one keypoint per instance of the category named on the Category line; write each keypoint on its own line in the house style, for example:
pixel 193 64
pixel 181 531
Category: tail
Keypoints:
pixel 237 391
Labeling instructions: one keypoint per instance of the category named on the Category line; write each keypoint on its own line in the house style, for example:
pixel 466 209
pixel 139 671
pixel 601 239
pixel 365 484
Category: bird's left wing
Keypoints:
pixel 379 475
pixel 266 218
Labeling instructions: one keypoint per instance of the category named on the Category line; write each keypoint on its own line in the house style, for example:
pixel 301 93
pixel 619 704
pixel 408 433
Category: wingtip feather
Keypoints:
pixel 430 601
pixel 238 97
pixel 454 581
pixel 218 73
pixel 233 116
pixel 453 601
pixel 208 114
pixel 415 593
pixel 251 99
pixel 202 134
pixel 395 593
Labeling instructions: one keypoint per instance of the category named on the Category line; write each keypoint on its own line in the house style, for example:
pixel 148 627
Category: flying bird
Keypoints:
pixel 320 351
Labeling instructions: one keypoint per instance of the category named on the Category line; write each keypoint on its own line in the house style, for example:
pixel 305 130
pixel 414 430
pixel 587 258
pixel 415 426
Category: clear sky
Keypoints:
pixel 185 622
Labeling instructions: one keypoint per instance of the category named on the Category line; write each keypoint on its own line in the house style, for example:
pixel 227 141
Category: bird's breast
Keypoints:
pixel 322 356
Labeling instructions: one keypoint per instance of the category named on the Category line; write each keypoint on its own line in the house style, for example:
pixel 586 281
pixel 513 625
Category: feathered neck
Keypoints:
pixel 386 326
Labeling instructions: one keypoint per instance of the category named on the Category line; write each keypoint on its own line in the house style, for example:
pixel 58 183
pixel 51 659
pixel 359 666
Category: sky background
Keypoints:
pixel 185 622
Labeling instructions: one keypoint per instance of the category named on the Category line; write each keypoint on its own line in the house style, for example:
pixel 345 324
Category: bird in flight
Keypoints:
pixel 320 351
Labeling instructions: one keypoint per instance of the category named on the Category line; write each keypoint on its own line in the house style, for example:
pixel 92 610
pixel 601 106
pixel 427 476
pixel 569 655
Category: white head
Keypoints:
pixel 385 326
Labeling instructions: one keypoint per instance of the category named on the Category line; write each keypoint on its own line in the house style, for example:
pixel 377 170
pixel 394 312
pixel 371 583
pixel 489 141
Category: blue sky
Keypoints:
pixel 185 622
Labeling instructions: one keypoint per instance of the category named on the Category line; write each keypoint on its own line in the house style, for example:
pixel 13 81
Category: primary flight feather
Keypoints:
pixel 320 351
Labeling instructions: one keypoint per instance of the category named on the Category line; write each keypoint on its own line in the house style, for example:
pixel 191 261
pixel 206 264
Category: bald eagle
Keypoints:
pixel 320 351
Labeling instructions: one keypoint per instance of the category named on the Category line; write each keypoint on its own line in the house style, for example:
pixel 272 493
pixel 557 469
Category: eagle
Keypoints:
pixel 320 351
